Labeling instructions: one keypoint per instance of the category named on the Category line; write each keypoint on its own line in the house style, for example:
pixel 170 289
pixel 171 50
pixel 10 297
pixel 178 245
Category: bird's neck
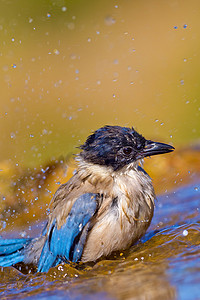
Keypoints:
pixel 100 173
pixel 93 172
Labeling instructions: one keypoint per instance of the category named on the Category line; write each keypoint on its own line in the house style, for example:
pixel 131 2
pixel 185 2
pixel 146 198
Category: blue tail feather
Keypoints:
pixel 12 251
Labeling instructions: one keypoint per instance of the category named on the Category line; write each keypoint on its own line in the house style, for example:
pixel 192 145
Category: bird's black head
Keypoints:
pixel 117 146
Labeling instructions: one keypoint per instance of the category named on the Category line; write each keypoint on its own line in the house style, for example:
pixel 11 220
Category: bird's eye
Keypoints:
pixel 127 150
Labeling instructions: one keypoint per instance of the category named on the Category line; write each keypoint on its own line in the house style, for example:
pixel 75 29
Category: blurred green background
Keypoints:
pixel 69 67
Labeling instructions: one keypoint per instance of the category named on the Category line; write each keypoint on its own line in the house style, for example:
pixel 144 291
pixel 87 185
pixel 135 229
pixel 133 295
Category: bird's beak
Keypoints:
pixel 154 148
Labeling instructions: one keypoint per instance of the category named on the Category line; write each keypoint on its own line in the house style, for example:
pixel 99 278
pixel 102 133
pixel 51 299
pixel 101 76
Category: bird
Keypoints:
pixel 106 206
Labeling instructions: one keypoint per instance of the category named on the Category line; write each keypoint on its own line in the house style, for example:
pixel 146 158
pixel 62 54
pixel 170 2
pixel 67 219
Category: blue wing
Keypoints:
pixel 67 242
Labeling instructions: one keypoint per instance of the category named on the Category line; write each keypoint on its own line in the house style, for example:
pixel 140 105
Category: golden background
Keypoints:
pixel 69 67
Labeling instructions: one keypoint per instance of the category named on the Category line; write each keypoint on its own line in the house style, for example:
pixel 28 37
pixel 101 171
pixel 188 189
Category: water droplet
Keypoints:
pixel 3 224
pixel 12 39
pixel 23 234
pixel 185 26
pixel 56 52
pixel 185 232
pixel 48 15
pixel 44 131
pixel 31 135
pixel 12 135
pixel 97 32
pixel 89 40
pixel 14 66
pixel 60 268
pixel 196 189
pixel 30 20
pixel 109 21
pixel 182 82
pixel 64 8
pixel 187 102
pixel 77 71
pixel 175 27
